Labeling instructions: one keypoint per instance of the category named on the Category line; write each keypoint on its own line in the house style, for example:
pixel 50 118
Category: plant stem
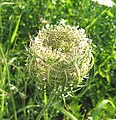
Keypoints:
pixel 65 112
pixel 46 107
pixel 45 102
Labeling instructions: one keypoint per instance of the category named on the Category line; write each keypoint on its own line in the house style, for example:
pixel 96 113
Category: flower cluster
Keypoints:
pixel 108 3
pixel 60 54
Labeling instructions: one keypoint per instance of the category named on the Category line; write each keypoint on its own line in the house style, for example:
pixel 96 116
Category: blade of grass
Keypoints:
pixel 1 30
pixel 3 80
pixel 7 3
pixel 15 30
pixel 6 76
pixel 96 19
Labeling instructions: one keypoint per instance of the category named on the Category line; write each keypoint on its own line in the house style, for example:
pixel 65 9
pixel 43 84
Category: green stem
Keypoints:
pixel 48 74
pixel 65 112
pixel 45 102
pixel 46 107
pixel 24 101
pixel 26 108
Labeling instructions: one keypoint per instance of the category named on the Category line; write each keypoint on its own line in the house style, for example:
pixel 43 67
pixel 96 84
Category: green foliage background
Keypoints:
pixel 20 97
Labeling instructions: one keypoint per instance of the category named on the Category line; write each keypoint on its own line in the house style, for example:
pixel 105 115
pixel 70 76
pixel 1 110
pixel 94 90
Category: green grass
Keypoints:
pixel 20 95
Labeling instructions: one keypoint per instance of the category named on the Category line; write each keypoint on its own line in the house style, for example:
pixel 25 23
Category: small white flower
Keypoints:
pixel 36 40
pixel 37 59
pixel 62 21
pixel 47 26
pixel 82 31
pixel 108 3
pixel 90 118
pixel 82 44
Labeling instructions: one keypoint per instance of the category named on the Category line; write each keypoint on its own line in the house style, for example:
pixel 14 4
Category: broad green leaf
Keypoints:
pixel 99 108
